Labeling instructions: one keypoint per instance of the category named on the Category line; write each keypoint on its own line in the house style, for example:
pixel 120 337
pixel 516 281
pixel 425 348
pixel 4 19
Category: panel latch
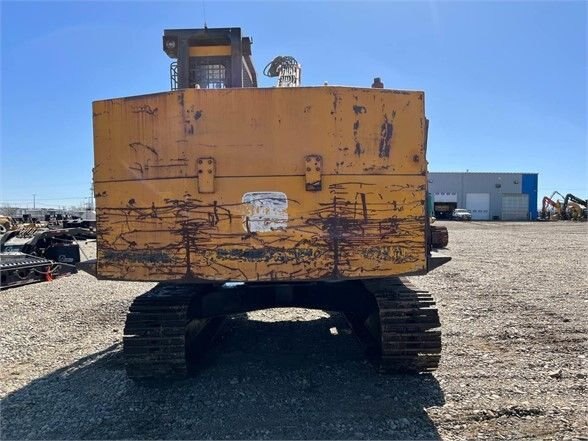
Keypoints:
pixel 206 171
pixel 314 166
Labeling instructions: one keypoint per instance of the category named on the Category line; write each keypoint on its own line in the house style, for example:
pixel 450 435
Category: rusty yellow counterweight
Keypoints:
pixel 253 184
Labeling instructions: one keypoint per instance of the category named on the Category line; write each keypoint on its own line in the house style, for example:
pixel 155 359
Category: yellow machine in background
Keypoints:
pixel 220 181
pixel 571 208
pixel 7 223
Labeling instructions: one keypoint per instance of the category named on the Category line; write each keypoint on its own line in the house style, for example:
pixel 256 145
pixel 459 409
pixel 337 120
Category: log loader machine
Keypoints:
pixel 311 197
pixel 554 213
pixel 574 208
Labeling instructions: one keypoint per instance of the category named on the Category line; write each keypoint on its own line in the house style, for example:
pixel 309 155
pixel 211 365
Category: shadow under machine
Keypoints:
pixel 311 197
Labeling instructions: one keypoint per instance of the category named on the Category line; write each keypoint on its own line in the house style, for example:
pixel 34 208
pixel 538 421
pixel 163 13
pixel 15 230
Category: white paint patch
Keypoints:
pixel 265 211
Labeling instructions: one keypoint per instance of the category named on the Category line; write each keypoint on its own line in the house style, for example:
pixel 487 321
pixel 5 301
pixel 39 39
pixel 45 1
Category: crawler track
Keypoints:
pixel 160 338
pixel 168 328
pixel 401 337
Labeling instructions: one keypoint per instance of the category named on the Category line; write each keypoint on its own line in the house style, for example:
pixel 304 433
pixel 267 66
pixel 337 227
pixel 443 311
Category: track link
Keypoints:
pixel 402 336
pixel 160 338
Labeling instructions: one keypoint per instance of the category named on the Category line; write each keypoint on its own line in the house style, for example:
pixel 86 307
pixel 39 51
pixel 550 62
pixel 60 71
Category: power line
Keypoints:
pixel 44 199
pixel 49 205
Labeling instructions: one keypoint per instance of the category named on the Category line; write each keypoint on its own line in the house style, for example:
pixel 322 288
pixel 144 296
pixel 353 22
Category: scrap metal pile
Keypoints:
pixel 30 253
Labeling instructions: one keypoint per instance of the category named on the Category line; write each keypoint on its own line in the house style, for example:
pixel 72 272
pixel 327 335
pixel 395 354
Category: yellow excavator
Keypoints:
pixel 310 197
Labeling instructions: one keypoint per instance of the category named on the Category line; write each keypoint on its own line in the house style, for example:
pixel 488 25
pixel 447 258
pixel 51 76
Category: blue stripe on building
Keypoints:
pixel 529 186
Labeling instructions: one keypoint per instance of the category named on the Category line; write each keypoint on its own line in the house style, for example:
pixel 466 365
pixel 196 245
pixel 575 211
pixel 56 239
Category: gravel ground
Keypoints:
pixel 513 303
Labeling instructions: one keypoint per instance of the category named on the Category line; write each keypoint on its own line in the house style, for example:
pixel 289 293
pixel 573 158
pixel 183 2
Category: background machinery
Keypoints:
pixel 312 197
pixel 570 207
pixel 574 208
pixel 31 254
pixel 550 209
pixel 7 223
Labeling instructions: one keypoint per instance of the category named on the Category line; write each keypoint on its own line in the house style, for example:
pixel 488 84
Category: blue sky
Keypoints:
pixel 505 82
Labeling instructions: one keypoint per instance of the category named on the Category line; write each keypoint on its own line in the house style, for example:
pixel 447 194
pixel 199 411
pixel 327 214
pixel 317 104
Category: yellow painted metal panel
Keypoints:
pixel 209 51
pixel 362 226
pixel 260 132
pixel 253 217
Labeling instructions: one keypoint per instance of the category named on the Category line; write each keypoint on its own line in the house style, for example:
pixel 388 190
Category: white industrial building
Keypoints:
pixel 488 196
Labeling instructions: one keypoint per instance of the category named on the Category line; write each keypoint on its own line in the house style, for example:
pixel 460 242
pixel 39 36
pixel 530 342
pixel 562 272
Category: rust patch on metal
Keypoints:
pixel 349 234
pixel 376 168
pixel 359 109
pixel 364 207
pixel 267 254
pixel 358 148
pixel 145 109
pixel 139 256
pixel 134 146
pixel 138 168
pixel 386 131
pixel 336 100
pixel 188 128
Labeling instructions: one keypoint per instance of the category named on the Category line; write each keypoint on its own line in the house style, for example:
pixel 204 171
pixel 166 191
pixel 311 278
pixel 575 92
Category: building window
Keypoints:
pixel 208 76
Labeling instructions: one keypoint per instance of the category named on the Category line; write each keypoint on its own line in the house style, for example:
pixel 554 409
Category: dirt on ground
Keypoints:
pixel 513 303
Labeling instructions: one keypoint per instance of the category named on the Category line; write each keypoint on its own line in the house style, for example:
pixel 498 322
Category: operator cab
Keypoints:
pixel 209 58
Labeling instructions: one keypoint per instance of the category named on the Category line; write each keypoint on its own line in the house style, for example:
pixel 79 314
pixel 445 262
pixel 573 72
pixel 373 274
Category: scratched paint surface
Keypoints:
pixel 260 223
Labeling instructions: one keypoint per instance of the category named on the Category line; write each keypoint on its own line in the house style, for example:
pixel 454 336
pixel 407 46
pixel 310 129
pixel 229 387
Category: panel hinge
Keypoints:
pixel 206 171
pixel 314 166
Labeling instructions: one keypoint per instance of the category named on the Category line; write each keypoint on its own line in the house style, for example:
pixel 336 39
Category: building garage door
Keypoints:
pixel 515 207
pixel 444 203
pixel 479 205
pixel 445 196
